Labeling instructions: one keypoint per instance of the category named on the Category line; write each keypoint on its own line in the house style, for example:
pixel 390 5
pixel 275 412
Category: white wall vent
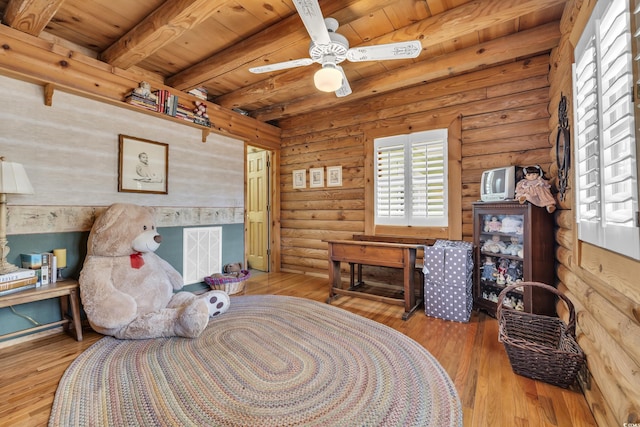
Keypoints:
pixel 202 254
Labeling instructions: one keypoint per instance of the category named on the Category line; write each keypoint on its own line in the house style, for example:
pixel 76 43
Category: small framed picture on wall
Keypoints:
pixel 316 177
pixel 300 178
pixel 334 176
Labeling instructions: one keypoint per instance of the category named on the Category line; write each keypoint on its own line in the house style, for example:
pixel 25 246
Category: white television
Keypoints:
pixel 498 184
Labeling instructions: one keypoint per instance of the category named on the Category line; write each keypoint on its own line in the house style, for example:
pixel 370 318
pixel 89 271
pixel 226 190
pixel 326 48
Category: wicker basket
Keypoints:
pixel 231 283
pixel 540 347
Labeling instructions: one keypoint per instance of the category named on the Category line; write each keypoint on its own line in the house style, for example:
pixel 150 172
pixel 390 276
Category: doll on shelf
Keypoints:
pixel 534 189
pixel 514 272
pixel 494 245
pixel 514 247
pixel 503 264
pixel 512 224
pixel 489 270
pixel 493 225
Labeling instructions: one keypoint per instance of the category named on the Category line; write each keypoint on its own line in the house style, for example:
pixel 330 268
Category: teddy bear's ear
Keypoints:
pixel 109 217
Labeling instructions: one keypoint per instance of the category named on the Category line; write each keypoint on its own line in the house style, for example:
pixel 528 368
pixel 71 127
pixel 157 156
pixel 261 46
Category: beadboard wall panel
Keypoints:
pixel 70 152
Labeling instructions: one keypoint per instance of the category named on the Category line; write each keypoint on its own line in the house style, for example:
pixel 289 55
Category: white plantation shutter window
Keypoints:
pixel 391 182
pixel 605 146
pixel 410 180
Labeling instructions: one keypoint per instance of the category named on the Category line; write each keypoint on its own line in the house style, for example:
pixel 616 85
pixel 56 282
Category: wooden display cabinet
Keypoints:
pixel 513 242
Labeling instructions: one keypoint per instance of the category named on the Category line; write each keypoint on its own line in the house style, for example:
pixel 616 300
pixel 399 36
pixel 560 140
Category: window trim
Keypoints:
pixel 408 143
pixel 453 231
pixel 598 232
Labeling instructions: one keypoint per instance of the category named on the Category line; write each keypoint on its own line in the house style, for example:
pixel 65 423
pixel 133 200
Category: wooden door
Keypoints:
pixel 258 209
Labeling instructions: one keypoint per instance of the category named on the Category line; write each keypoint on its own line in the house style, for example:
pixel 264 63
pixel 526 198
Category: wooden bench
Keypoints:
pixel 66 290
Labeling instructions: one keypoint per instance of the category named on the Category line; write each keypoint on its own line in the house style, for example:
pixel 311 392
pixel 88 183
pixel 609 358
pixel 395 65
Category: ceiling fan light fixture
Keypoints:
pixel 328 78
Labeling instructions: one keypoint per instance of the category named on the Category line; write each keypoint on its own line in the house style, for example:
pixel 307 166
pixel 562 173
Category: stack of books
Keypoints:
pixel 185 113
pixel 19 280
pixel 140 101
pixel 199 92
pixel 44 264
pixel 169 104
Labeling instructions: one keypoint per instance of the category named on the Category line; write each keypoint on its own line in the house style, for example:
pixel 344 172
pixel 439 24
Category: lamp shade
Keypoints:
pixel 13 179
pixel 328 78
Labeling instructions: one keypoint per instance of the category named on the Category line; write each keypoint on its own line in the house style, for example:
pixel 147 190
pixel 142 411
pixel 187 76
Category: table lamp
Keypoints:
pixel 13 180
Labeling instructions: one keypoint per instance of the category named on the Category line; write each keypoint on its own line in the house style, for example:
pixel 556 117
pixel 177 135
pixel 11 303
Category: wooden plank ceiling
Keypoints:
pixel 212 43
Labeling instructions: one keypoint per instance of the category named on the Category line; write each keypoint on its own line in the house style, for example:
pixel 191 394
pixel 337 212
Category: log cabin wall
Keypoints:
pixel 603 286
pixel 509 115
pixel 503 115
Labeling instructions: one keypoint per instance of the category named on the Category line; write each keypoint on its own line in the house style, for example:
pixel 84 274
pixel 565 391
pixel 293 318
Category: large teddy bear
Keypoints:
pixel 128 291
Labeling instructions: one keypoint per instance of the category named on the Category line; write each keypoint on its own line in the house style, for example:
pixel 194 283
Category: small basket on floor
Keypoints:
pixel 540 347
pixel 231 283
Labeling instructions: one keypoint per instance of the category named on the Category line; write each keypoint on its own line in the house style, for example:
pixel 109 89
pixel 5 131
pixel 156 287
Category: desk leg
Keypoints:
pixel 352 281
pixel 353 285
pixel 411 303
pixel 335 281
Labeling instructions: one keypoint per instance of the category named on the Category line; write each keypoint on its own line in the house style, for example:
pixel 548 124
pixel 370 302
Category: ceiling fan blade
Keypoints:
pixel 400 50
pixel 303 62
pixel 311 15
pixel 345 89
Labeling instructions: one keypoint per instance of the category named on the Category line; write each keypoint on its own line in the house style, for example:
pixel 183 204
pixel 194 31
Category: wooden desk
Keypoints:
pixel 383 254
pixel 66 290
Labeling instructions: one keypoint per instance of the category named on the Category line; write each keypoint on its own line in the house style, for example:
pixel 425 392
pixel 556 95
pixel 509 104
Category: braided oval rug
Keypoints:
pixel 269 361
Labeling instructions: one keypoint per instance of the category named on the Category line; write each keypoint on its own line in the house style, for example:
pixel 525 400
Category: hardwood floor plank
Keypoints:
pixel 491 394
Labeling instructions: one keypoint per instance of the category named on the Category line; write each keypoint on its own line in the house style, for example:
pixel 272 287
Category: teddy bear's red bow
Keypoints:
pixel 136 260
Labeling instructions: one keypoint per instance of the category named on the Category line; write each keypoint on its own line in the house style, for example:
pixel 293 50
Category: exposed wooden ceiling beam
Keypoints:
pixel 277 37
pixel 161 27
pixel 465 19
pixel 522 44
pixel 30 16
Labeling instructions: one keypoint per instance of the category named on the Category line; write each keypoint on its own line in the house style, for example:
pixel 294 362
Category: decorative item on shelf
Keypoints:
pixel 563 147
pixel 200 114
pixel 511 224
pixel 61 261
pixel 143 97
pixel 495 245
pixel 13 180
pixel 144 91
pixel 514 247
pixel 535 189
pixel 489 269
pixel 493 225
pixel 46 272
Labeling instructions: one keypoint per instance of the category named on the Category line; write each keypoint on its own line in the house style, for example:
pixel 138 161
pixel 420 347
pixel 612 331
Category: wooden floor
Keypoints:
pixel 491 394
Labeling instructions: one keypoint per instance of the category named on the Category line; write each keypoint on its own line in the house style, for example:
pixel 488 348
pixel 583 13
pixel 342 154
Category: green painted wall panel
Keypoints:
pixel 76 245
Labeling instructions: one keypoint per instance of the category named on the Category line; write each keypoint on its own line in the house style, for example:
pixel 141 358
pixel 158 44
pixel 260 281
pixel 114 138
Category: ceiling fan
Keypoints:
pixel 329 49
